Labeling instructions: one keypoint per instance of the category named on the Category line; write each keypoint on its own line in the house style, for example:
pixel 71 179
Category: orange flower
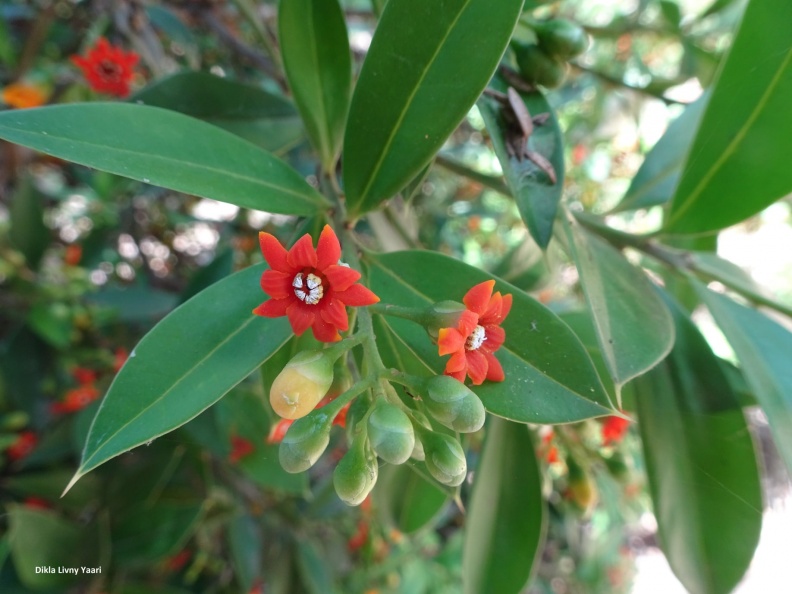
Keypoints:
pixel 23 446
pixel 107 68
pixel 478 335
pixel 310 286
pixel 614 429
pixel 73 254
pixel 22 96
pixel 76 399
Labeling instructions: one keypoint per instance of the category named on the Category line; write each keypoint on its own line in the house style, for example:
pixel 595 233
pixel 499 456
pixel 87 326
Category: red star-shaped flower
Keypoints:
pixel 107 68
pixel 614 429
pixel 310 286
pixel 478 335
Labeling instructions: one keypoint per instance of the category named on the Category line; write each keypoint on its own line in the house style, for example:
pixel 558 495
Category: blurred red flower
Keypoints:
pixel 107 68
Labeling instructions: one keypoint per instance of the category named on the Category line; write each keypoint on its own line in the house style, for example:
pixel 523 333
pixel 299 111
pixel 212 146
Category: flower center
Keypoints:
pixel 109 70
pixel 308 288
pixel 476 339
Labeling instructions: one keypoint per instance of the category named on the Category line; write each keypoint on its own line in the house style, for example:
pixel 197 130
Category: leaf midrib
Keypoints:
pixel 732 146
pixel 397 126
pixel 166 160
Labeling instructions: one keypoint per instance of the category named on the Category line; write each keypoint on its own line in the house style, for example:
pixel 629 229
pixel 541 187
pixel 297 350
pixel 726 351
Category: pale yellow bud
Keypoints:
pixel 302 384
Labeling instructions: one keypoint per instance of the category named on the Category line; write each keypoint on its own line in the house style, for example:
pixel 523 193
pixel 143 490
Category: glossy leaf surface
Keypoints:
pixel 163 148
pixel 549 376
pixel 738 162
pixel 184 365
pixel 701 465
pixel 407 499
pixel 316 57
pixel 763 348
pixel 506 519
pixel 536 195
pixel 634 327
pixel 427 64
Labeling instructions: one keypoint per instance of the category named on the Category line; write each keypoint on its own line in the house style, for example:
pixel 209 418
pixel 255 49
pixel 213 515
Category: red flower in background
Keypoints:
pixel 34 502
pixel 107 68
pixel 84 376
pixel 120 357
pixel 76 399
pixel 614 429
pixel 23 446
pixel 240 448
pixel 478 335
pixel 310 286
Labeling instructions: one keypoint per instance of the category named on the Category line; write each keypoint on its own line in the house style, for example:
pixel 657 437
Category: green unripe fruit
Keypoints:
pixel 539 68
pixel 356 473
pixel 391 433
pixel 302 384
pixel 453 404
pixel 418 451
pixel 445 458
pixel 561 38
pixel 304 443
pixel 357 411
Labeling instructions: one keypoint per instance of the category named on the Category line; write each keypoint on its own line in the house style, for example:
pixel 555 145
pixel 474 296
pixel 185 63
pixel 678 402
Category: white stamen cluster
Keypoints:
pixel 308 289
pixel 476 339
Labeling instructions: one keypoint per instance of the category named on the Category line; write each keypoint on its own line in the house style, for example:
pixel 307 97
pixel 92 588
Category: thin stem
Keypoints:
pixel 413 314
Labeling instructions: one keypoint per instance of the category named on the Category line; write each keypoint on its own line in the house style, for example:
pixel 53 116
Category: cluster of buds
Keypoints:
pixel 392 416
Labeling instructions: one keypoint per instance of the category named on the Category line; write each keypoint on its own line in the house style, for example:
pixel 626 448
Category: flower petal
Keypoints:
pixel 277 285
pixel 328 250
pixel 493 310
pixel 341 277
pixel 450 341
pixel 274 253
pixel 357 296
pixel 505 308
pixel 333 312
pixel 495 337
pixel 302 254
pixel 323 331
pixel 300 317
pixel 457 375
pixel 494 369
pixel 467 322
pixel 274 308
pixel 477 298
pixel 457 363
pixel 476 367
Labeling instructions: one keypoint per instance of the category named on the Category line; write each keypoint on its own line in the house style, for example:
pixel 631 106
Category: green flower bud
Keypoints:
pixel 445 458
pixel 538 67
pixel 304 442
pixel 356 473
pixel 302 384
pixel 418 451
pixel 443 314
pixel 561 39
pixel 453 404
pixel 391 433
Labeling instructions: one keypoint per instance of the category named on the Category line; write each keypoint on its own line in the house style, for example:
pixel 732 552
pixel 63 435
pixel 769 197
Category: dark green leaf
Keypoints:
pixel 52 322
pixel 536 195
pixel 245 540
pixel 407 500
pixel 315 573
pixel 506 519
pixel 738 162
pixel 215 271
pixel 316 58
pixel 147 533
pixel 163 148
pixel 763 348
pixel 549 376
pixel 634 328
pixel 658 176
pixel 136 303
pixel 701 464
pixel 28 233
pixel 427 65
pixel 184 365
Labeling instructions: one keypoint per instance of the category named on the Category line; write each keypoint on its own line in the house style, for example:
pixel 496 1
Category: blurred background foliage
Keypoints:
pixel 90 261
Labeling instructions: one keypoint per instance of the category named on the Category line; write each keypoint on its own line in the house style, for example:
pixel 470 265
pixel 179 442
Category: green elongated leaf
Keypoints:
pixel 762 347
pixel 407 500
pixel 28 233
pixel 267 120
pixel 41 538
pixel 583 326
pixel 163 148
pixel 246 549
pixel 549 376
pixel 427 65
pixel 634 327
pixel 183 366
pixel 506 520
pixel 658 176
pixel 148 533
pixel 737 164
pixel 701 465
pixel 536 195
pixel 315 47
pixel 316 574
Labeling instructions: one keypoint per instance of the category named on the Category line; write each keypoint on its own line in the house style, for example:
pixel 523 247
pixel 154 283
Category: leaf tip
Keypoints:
pixel 77 476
